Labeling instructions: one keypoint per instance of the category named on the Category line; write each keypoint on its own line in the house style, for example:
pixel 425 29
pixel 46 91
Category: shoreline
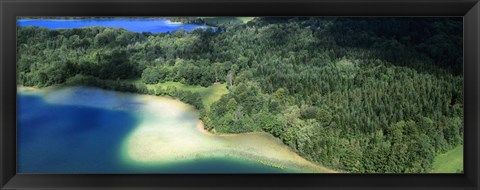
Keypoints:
pixel 21 88
pixel 201 127
pixel 34 90
pixel 155 142
pixel 27 89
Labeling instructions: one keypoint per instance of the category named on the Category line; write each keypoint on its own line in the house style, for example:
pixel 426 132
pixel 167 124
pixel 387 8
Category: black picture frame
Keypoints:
pixel 468 9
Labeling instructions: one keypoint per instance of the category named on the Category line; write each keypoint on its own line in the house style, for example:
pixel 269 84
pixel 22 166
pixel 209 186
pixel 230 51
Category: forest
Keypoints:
pixel 362 95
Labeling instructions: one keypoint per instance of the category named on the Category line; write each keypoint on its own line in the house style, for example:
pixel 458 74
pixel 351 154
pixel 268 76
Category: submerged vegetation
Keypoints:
pixel 368 95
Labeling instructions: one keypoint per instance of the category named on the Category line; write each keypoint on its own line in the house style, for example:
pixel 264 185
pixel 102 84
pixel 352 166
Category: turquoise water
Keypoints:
pixel 131 24
pixel 83 138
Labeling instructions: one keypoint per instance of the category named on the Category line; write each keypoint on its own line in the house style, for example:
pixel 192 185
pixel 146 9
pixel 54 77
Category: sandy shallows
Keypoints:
pixel 171 131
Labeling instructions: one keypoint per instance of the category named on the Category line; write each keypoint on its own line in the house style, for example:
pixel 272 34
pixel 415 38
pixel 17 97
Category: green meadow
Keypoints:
pixel 208 94
pixel 226 20
pixel 449 162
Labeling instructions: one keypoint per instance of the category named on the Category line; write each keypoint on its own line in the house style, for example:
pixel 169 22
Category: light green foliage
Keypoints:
pixel 208 94
pixel 246 19
pixel 216 21
pixel 449 162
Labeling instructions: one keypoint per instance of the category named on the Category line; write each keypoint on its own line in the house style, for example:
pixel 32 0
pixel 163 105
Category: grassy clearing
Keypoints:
pixel 226 20
pixel 449 162
pixel 209 94
pixel 214 93
pixel 245 19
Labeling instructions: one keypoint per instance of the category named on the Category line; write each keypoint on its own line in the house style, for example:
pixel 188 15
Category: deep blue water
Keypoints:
pixel 131 24
pixel 53 138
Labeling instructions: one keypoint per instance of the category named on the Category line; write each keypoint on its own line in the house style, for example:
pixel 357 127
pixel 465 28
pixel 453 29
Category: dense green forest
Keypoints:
pixel 354 94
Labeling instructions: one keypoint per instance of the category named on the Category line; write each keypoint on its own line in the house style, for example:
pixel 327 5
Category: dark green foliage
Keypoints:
pixel 354 94
pixel 107 84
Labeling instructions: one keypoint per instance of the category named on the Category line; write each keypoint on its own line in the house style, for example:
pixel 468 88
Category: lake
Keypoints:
pixel 89 130
pixel 132 24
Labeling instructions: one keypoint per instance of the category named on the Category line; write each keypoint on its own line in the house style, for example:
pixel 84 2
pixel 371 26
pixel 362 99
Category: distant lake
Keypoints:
pixel 89 130
pixel 132 24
